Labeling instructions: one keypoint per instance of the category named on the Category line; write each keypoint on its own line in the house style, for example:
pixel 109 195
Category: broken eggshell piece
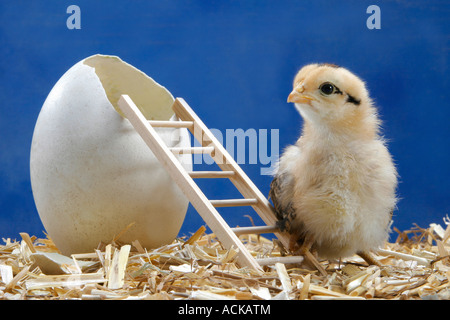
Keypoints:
pixel 92 175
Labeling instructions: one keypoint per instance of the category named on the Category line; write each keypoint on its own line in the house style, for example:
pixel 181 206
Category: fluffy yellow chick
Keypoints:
pixel 334 190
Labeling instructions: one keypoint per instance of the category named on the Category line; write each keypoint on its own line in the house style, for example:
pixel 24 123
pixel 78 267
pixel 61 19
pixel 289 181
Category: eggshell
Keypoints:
pixel 91 173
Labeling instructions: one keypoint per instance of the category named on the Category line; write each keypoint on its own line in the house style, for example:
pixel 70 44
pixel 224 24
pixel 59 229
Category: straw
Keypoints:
pixel 415 266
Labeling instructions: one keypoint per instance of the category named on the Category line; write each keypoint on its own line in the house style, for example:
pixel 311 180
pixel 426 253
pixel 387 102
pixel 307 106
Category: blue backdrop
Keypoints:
pixel 234 61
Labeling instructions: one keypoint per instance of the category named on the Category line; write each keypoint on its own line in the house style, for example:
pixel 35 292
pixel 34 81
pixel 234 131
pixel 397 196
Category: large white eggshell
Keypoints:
pixel 91 173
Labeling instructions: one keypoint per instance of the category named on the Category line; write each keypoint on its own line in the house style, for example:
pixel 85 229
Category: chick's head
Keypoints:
pixel 330 95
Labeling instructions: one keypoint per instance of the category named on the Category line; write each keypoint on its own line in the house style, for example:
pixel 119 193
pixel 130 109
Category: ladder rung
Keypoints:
pixel 192 150
pixel 171 124
pixel 286 260
pixel 233 202
pixel 255 230
pixel 212 174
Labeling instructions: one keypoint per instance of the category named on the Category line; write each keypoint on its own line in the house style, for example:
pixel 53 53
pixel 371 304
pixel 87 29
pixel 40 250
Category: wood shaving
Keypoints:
pixel 415 266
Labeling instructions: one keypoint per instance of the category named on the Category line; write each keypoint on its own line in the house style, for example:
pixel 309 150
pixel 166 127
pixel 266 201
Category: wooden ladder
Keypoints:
pixel 185 180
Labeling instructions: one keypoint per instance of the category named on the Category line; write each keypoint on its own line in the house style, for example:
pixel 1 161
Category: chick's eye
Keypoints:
pixel 327 88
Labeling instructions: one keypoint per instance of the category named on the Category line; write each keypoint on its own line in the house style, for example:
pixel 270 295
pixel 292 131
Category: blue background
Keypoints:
pixel 234 61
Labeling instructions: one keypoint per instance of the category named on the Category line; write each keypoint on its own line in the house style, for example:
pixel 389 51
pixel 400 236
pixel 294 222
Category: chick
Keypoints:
pixel 335 189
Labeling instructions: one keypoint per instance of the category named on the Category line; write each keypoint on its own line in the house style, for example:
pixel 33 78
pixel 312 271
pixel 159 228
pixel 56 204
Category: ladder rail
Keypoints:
pixel 224 160
pixel 184 181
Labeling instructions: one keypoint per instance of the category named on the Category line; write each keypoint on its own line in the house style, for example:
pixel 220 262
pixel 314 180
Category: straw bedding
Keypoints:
pixel 415 266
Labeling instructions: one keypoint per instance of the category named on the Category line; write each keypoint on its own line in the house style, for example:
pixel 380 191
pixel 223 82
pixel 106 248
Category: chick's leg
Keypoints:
pixel 305 250
pixel 369 258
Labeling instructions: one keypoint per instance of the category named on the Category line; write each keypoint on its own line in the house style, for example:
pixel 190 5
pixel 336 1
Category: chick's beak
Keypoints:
pixel 298 97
